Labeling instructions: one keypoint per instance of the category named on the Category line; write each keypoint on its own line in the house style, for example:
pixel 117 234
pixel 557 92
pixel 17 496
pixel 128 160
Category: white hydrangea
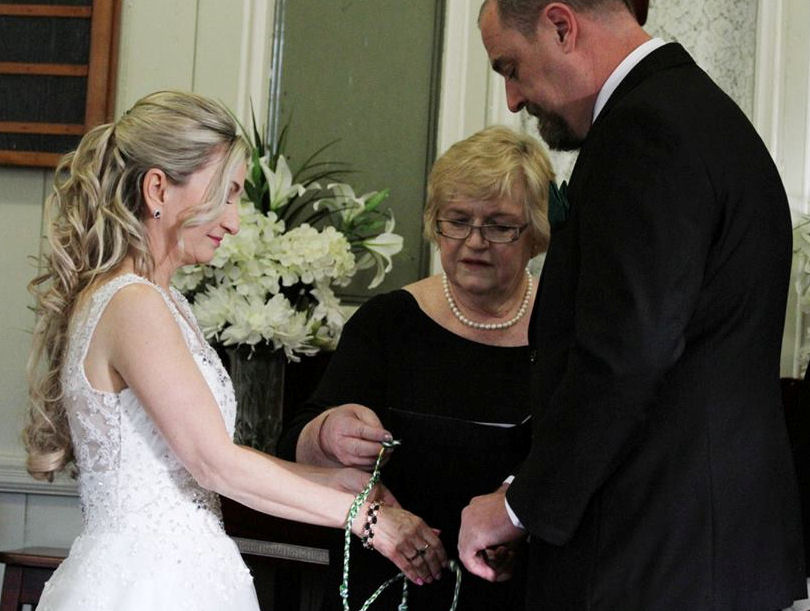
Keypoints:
pixel 238 298
pixel 309 255
pixel 188 278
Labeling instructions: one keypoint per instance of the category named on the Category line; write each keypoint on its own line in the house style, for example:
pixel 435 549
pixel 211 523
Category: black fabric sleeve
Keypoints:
pixel 643 213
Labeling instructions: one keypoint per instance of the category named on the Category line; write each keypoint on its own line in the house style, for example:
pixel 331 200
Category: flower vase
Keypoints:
pixel 258 382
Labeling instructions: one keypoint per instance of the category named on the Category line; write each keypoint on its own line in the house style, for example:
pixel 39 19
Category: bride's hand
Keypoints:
pixel 406 541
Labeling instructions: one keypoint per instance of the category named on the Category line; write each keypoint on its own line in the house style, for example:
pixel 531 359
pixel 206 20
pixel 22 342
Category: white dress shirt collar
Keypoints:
pixel 622 70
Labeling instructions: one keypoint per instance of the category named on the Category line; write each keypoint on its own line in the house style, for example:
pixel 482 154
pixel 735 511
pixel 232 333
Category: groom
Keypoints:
pixel 660 475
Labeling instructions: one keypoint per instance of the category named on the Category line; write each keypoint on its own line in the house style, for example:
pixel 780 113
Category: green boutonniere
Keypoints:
pixel 558 206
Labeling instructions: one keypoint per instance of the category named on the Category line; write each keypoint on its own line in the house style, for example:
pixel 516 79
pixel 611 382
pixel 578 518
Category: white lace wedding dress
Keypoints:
pixel 153 538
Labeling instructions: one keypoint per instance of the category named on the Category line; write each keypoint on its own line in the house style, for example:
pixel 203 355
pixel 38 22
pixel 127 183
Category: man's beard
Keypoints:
pixel 554 130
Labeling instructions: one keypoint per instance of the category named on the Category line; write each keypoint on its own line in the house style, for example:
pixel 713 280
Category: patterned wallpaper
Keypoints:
pixel 720 34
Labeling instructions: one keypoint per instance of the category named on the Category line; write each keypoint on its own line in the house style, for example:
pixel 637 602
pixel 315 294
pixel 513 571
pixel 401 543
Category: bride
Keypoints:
pixel 123 384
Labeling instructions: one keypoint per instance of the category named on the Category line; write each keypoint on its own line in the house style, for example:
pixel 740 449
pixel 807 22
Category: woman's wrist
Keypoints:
pixel 309 448
pixel 365 522
pixel 372 514
pixel 320 438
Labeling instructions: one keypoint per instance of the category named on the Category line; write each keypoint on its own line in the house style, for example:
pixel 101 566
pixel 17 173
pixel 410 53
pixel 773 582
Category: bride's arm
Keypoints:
pixel 146 348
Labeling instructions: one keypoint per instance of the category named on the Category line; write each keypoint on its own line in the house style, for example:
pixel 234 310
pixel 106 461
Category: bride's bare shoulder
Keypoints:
pixel 136 308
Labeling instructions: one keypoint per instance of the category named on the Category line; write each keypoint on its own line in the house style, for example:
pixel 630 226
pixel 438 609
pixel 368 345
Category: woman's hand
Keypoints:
pixel 351 434
pixel 406 541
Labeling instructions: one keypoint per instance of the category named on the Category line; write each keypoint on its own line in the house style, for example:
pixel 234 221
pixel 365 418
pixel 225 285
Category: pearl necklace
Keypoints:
pixel 488 326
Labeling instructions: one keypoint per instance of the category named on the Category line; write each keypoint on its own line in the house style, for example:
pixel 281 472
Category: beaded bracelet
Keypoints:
pixel 368 527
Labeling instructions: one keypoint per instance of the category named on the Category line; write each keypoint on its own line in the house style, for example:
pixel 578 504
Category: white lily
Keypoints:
pixel 279 182
pixel 345 202
pixel 379 251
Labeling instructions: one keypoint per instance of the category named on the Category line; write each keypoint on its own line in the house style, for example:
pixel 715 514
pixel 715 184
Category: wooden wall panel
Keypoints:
pixel 57 64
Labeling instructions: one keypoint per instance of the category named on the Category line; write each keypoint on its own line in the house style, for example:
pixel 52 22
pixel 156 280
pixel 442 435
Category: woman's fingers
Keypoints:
pixel 432 552
pixel 352 434
pixel 429 562
pixel 410 544
pixel 421 568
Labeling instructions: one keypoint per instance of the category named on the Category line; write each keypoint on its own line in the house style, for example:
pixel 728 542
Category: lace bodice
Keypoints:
pixel 129 479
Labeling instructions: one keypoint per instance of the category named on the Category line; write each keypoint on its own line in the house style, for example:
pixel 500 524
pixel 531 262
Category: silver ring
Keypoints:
pixel 424 549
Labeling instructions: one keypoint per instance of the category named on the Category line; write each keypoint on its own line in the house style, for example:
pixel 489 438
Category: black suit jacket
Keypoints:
pixel 660 474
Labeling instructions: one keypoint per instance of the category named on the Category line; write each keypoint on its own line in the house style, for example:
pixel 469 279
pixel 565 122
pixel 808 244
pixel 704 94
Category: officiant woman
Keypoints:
pixel 443 364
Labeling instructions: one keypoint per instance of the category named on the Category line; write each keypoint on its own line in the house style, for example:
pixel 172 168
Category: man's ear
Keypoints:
pixel 564 21
pixel 154 188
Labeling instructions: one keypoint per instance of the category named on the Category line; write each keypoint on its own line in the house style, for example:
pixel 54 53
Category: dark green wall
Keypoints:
pixel 366 72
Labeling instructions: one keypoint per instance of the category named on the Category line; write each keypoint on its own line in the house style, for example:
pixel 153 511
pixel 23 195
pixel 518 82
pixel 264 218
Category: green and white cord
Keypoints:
pixel 347 539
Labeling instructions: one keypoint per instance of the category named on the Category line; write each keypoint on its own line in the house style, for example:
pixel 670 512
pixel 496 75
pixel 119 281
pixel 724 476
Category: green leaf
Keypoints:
pixel 257 137
pixel 309 160
pixel 374 201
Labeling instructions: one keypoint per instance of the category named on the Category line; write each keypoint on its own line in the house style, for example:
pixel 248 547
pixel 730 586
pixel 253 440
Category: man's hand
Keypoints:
pixel 351 434
pixel 502 559
pixel 485 526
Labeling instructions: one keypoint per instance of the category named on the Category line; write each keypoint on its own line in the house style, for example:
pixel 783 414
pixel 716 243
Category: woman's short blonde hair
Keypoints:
pixel 492 164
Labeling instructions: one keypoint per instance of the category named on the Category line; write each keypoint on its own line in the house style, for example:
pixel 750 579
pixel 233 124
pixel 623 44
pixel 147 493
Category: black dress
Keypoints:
pixel 460 409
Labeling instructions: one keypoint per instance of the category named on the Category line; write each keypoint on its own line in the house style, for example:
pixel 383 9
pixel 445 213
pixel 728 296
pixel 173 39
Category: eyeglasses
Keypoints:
pixel 498 234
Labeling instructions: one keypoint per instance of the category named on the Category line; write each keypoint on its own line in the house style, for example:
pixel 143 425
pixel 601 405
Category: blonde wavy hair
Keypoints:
pixel 492 164
pixel 95 218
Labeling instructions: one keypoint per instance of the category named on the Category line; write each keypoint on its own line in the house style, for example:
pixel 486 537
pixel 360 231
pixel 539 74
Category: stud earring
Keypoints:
pixel 156 214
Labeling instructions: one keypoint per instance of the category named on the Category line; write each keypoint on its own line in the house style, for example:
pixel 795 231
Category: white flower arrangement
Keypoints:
pixel 272 283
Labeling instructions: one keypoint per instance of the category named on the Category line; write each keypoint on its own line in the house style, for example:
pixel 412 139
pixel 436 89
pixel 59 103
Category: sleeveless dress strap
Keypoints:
pixel 91 314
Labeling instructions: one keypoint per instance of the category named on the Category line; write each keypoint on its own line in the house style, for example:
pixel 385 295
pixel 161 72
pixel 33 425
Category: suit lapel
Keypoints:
pixel 663 58
pixel 559 278
pixel 668 56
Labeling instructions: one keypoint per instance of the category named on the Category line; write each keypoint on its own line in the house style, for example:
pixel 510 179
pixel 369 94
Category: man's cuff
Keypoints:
pixel 512 516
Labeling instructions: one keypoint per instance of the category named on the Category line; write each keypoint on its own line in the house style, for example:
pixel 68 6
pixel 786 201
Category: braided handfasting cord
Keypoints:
pixel 347 540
